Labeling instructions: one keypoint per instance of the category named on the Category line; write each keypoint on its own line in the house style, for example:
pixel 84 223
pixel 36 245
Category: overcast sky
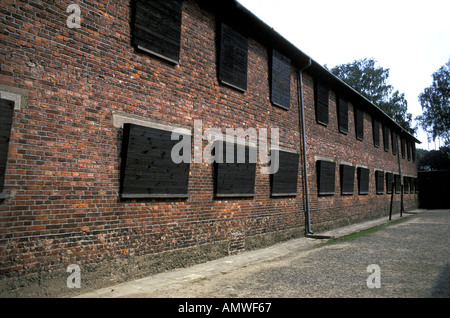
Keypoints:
pixel 411 38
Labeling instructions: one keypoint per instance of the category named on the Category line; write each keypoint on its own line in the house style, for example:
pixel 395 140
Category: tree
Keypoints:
pixel 373 83
pixel 433 160
pixel 435 101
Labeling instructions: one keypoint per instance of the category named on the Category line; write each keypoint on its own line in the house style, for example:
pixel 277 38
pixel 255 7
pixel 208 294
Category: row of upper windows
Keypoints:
pixel 321 93
pixel 157 30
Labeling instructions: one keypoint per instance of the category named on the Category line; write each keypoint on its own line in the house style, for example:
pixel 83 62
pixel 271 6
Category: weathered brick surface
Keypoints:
pixel 63 165
pixel 327 142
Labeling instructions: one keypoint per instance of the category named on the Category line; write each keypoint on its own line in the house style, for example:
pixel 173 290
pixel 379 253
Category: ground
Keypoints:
pixel 411 253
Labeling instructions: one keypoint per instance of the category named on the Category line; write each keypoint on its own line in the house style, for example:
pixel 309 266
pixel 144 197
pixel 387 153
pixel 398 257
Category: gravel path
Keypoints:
pixel 413 259
pixel 411 255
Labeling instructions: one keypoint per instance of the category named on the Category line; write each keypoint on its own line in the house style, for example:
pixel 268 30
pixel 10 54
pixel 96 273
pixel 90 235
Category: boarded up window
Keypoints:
pixel 389 182
pixel 408 150
pixel 347 175
pixel 359 123
pixel 376 133
pixel 343 115
pixel 363 180
pixel 379 180
pixel 281 80
pixel 233 58
pixel 416 184
pixel 157 28
pixel 386 138
pixel 412 185
pixel 394 142
pixel 321 100
pixel 6 116
pixel 284 182
pixel 326 177
pixel 147 169
pixel 233 179
pixel 403 142
pixel 398 184
pixel 406 184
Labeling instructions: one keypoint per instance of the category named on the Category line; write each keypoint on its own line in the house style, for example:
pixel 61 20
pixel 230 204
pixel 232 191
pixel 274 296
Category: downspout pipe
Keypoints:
pixel 305 165
pixel 402 208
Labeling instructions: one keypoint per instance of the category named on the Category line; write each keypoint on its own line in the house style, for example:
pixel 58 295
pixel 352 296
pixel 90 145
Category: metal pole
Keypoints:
pixel 401 177
pixel 392 200
pixel 401 200
pixel 305 163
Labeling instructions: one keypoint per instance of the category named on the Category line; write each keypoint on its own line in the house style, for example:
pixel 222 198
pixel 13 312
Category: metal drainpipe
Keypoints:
pixel 305 169
pixel 399 140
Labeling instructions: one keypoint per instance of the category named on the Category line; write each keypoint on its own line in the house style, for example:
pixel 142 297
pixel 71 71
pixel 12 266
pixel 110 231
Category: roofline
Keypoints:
pixel 232 9
pixel 348 90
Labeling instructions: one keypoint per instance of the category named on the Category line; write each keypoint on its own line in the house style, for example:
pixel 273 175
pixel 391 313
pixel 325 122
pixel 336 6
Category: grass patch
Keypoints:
pixel 366 232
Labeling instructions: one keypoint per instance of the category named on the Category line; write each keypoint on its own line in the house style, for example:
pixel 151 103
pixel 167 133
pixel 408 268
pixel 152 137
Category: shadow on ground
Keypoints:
pixel 441 285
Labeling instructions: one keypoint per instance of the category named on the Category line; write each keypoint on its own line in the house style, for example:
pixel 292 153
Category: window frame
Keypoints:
pixel 220 169
pixel 363 180
pixel 403 144
pixel 321 103
pixel 390 182
pixel 342 109
pixel 408 150
pixel 416 185
pixel 233 45
pixel 5 140
pixel 280 90
pixel 376 133
pixel 126 179
pixel 379 181
pixel 19 97
pixel 347 171
pixel 284 170
pixel 359 123
pixel 386 137
pixel 151 38
pixel 394 142
pixel 397 184
pixel 326 179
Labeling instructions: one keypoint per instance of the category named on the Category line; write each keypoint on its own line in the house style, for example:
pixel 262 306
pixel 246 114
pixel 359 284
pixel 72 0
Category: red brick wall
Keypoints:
pixel 327 142
pixel 63 166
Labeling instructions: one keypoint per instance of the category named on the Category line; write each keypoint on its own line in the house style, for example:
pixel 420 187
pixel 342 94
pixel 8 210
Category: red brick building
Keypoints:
pixel 87 110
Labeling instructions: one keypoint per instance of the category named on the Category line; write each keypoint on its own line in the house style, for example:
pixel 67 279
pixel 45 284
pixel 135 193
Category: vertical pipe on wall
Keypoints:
pixel 305 166
pixel 401 178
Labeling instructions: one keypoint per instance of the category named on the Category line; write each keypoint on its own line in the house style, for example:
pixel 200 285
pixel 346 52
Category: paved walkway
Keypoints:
pixel 215 278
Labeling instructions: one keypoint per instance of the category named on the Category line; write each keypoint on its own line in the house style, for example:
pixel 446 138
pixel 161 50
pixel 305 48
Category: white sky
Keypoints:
pixel 409 37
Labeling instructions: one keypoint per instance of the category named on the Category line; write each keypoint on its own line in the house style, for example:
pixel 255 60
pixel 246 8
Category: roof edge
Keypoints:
pixel 266 34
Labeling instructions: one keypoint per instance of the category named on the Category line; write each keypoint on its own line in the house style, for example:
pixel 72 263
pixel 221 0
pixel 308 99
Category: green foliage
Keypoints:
pixel 365 232
pixel 435 101
pixel 373 83
pixel 434 159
